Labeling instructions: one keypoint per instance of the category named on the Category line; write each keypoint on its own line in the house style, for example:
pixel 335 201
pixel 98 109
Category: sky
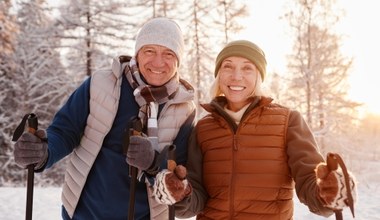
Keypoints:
pixel 361 40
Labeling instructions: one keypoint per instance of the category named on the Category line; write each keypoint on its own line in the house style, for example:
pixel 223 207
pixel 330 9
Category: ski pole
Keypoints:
pixel 134 128
pixel 333 161
pixel 171 164
pixel 32 128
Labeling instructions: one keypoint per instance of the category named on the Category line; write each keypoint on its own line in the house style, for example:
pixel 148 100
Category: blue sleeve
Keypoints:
pixel 67 128
pixel 181 141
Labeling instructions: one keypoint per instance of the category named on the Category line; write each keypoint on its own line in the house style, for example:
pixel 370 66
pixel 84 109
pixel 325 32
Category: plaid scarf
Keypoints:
pixel 149 97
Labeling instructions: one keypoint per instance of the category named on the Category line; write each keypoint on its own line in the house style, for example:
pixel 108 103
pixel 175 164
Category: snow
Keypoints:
pixel 47 204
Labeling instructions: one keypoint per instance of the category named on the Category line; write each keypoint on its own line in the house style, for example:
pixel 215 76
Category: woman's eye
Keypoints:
pixel 227 66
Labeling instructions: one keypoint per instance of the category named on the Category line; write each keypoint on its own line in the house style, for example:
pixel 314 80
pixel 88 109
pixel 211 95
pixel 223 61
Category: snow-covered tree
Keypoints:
pixel 229 11
pixel 318 69
pixel 96 31
pixel 38 83
pixel 8 33
pixel 207 26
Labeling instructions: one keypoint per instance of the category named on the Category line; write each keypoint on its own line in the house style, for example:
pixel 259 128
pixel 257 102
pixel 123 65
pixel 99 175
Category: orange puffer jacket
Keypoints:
pixel 245 172
pixel 249 170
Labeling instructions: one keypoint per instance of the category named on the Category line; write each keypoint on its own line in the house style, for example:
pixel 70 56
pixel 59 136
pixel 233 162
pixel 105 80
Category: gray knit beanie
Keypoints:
pixel 161 31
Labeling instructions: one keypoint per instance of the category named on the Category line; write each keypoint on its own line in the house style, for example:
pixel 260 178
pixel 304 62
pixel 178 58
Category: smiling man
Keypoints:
pixel 93 124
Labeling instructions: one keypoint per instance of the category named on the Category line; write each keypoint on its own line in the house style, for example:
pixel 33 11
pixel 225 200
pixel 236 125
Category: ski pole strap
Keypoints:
pixel 333 161
pixel 32 126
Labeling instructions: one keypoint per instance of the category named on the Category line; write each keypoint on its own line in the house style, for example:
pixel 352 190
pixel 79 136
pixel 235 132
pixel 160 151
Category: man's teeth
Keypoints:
pixel 158 72
pixel 237 88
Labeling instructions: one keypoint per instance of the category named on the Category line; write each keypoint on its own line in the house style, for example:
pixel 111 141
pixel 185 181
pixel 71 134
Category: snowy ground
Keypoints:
pixel 47 204
pixel 363 163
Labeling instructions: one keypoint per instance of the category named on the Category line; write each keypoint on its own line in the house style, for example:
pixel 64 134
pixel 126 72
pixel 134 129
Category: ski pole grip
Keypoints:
pixel 332 161
pixel 32 123
pixel 171 158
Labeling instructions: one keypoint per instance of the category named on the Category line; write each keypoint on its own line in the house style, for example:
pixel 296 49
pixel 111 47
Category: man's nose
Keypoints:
pixel 158 60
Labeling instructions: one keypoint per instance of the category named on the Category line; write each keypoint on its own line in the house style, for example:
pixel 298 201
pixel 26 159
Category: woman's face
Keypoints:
pixel 157 64
pixel 237 81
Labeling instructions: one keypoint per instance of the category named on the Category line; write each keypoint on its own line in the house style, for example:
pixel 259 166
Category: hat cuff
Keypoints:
pixel 162 41
pixel 242 51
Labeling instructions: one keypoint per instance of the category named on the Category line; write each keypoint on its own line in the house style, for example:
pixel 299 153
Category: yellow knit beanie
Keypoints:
pixel 246 49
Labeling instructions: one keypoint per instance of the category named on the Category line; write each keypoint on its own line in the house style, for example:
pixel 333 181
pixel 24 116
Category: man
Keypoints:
pixel 91 126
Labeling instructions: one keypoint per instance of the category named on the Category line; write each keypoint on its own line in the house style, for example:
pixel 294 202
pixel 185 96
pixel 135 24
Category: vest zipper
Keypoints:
pixel 232 181
pixel 236 147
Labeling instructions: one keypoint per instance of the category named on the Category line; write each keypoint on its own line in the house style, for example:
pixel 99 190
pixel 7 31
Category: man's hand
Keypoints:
pixel 171 187
pixel 31 149
pixel 140 152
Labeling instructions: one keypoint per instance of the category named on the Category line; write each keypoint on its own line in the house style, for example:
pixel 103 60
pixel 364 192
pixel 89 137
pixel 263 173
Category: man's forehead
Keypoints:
pixel 156 46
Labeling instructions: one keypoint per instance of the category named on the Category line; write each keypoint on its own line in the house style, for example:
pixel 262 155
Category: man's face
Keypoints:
pixel 157 64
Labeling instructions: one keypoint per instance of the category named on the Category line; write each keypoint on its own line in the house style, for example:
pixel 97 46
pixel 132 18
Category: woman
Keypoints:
pixel 248 154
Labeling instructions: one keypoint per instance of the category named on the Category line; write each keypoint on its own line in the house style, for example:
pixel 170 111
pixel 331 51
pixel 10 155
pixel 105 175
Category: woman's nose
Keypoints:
pixel 236 75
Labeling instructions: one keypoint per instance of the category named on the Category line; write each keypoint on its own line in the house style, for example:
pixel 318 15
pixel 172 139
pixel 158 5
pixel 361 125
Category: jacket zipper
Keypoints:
pixel 232 185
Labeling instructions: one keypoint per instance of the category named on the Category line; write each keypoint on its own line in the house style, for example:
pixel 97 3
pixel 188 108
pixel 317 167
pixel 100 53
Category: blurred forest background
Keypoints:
pixel 47 50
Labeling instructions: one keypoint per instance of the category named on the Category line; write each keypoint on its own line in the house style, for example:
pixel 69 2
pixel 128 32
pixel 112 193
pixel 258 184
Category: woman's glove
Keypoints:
pixel 171 187
pixel 332 187
pixel 31 149
pixel 140 152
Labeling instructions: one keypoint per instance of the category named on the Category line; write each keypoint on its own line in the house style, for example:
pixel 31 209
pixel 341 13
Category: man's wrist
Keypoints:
pixel 154 167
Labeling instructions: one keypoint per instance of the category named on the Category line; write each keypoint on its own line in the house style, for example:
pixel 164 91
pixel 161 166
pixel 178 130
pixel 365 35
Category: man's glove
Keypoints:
pixel 140 152
pixel 332 187
pixel 171 187
pixel 31 149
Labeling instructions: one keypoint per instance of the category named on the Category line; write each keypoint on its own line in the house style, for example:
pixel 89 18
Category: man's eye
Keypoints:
pixel 149 51
pixel 170 55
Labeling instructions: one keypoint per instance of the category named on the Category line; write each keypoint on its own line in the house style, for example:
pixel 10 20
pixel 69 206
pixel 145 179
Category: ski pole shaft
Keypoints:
pixel 134 128
pixel 131 209
pixel 29 193
pixel 32 128
pixel 171 164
